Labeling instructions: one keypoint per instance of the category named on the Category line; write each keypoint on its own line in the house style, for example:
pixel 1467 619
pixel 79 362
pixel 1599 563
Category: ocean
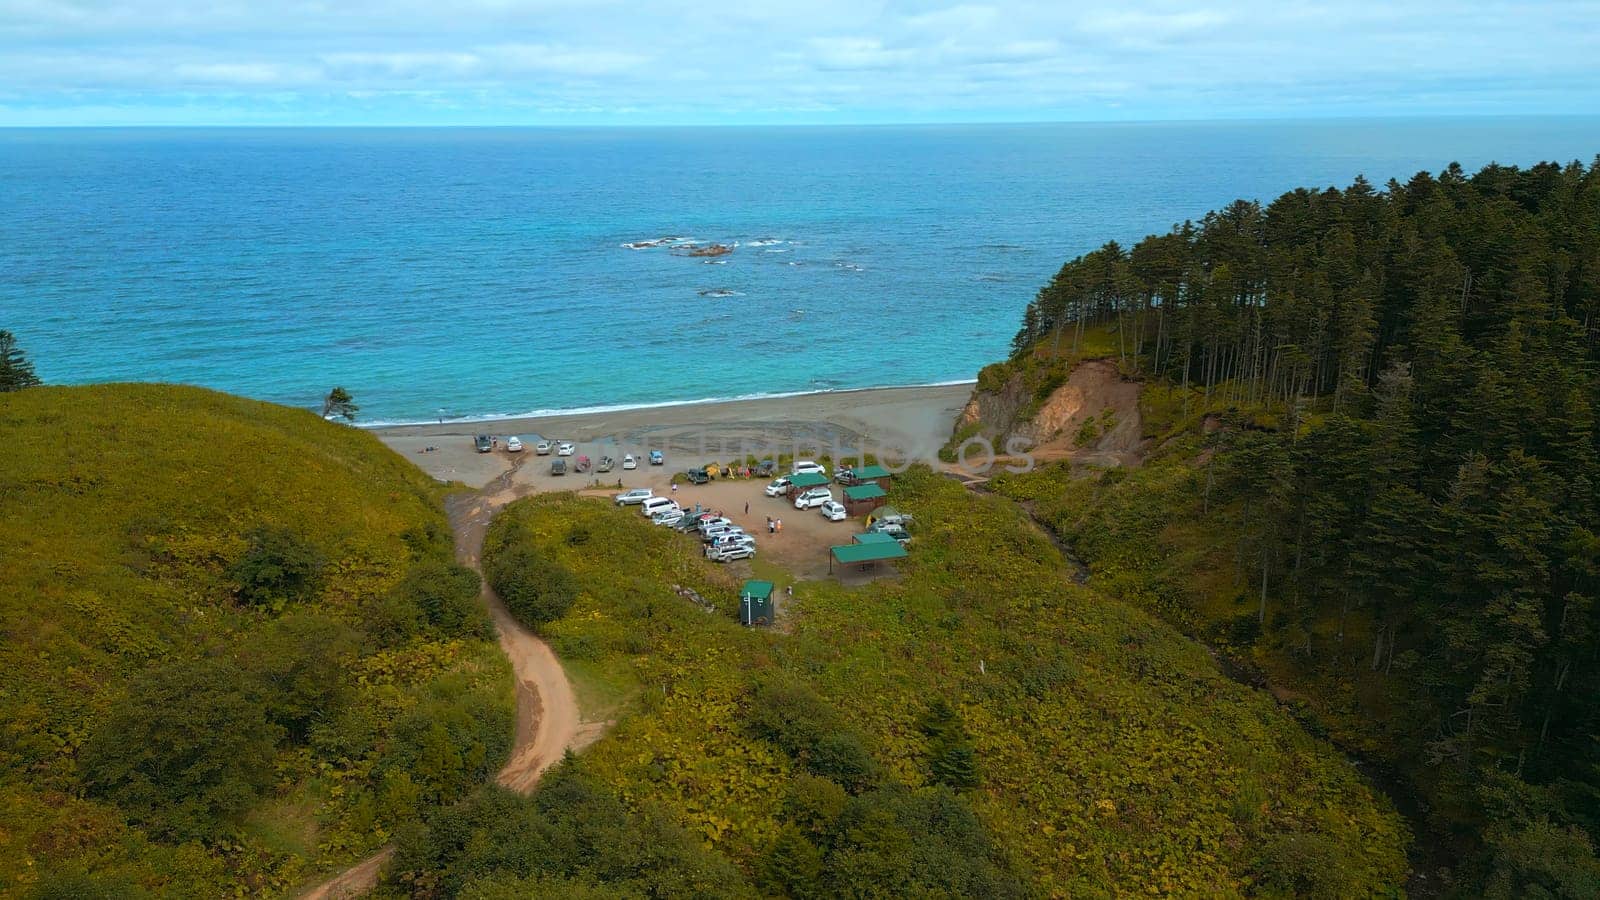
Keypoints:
pixel 450 273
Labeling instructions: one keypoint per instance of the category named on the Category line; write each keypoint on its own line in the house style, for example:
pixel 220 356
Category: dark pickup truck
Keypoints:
pixel 558 467
pixel 483 443
pixel 698 476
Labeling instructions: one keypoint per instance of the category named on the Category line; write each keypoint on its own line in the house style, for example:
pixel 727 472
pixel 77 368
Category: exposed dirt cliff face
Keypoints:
pixel 1092 416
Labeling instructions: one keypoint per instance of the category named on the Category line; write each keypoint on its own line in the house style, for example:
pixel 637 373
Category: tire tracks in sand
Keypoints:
pixel 548 720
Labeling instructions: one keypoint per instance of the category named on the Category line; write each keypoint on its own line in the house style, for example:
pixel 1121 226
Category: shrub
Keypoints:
pixel 536 589
pixel 188 749
pixel 279 567
pixel 446 595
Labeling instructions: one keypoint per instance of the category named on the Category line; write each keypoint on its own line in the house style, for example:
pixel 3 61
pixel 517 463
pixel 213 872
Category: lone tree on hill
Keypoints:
pixel 340 403
pixel 16 372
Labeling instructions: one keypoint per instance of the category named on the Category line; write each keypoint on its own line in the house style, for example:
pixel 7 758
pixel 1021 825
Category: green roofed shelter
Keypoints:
pixel 874 537
pixel 864 498
pixel 807 480
pixel 865 554
pixel 869 475
pixel 755 603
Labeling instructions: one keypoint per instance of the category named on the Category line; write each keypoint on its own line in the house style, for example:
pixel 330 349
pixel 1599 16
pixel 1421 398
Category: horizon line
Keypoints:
pixel 909 123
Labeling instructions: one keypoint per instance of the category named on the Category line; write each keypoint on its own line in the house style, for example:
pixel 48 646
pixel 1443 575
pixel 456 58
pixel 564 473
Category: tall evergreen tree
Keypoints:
pixel 16 371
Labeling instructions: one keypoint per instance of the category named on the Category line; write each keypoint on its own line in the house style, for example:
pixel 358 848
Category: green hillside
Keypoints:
pixel 979 727
pixel 233 648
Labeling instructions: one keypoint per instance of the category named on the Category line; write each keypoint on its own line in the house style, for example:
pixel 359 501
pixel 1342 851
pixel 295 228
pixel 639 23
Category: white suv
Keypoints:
pixel 807 467
pixel 777 487
pixel 813 497
pixel 834 511
pixel 637 495
pixel 652 505
pixel 565 448
pixel 729 554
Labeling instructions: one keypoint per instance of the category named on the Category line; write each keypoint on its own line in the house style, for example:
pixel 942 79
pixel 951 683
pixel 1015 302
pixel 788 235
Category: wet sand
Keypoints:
pixel 912 421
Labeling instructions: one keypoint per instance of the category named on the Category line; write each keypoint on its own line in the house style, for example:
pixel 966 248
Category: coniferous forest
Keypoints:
pixel 1390 396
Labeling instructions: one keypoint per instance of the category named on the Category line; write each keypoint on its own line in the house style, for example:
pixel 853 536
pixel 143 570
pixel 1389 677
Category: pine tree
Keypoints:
pixel 16 372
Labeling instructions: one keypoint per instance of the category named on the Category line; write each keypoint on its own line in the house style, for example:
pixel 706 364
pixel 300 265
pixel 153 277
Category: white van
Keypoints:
pixel 655 505
pixel 808 467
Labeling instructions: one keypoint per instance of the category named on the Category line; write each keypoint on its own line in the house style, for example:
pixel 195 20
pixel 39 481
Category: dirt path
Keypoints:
pixel 548 721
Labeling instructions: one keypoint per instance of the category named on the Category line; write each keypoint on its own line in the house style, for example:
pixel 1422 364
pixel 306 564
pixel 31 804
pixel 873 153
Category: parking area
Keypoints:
pixel 802 546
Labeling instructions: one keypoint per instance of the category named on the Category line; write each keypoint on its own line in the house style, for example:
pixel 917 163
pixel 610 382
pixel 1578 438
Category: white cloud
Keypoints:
pixel 846 58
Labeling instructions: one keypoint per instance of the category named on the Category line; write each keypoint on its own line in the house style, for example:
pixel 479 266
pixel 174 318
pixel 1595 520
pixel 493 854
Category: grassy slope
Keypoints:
pixel 1114 756
pixel 123 506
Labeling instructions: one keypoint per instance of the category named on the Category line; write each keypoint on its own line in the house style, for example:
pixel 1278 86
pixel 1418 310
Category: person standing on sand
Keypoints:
pixel 747 507
pixel 674 487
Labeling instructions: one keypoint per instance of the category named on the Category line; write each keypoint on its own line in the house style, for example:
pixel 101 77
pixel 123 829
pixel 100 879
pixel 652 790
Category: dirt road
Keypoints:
pixel 548 721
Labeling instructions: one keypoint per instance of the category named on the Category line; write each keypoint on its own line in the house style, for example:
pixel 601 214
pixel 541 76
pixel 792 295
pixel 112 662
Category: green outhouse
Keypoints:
pixel 755 603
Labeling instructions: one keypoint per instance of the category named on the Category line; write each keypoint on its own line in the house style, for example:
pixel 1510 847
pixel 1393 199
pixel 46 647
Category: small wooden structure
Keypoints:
pixel 877 475
pixel 864 555
pixel 875 537
pixel 864 498
pixel 800 483
pixel 755 603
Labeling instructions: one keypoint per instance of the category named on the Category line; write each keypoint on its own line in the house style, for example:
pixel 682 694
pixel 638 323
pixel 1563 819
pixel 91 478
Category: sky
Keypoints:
pixel 665 62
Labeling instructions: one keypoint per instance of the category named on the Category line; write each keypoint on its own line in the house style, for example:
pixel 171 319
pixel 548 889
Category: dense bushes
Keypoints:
pixel 279 567
pixel 571 830
pixel 184 752
pixel 535 589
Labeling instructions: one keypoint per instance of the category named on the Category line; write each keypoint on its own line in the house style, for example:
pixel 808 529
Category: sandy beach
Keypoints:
pixel 895 422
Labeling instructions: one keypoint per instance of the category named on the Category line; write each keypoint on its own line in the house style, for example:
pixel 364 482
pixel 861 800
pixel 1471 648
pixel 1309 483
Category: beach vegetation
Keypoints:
pixel 235 649
pixel 339 404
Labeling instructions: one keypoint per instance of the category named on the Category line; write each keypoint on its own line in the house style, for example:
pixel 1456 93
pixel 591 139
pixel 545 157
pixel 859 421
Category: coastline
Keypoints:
pixel 493 419
pixel 911 420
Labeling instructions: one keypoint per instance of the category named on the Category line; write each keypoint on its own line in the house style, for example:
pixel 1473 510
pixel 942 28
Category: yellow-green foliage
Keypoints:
pixel 123 508
pixel 1112 755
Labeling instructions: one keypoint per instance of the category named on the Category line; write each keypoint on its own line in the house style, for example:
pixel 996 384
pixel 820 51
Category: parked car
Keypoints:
pixel 653 505
pixel 834 511
pixel 513 444
pixel 895 531
pixel 729 554
pixel 657 458
pixel 558 467
pixel 734 537
pixel 718 532
pixel 582 464
pixel 691 521
pixel 629 463
pixel 806 467
pixel 542 448
pixel 708 522
pixel 697 476
pixel 483 442
pixel 766 469
pixel 814 497
pixel 566 448
pixel 710 535
pixel 605 464
pixel 886 515
pixel 667 517
pixel 637 495
pixel 778 487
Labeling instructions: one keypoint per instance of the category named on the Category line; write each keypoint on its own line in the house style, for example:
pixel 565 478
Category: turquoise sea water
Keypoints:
pixel 484 272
